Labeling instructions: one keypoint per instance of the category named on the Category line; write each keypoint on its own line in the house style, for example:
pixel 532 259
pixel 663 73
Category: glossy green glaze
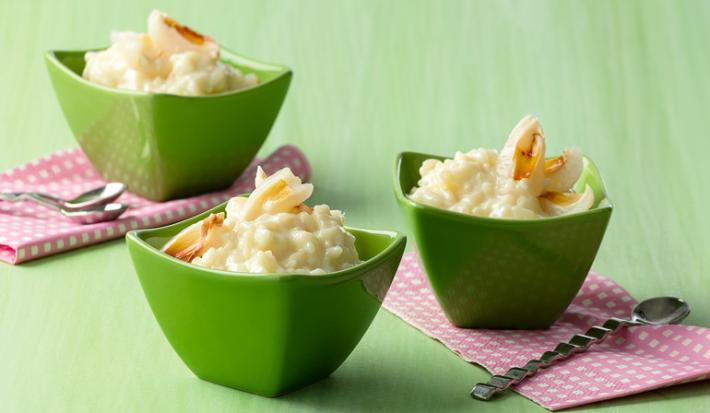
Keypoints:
pixel 501 273
pixel 263 334
pixel 167 146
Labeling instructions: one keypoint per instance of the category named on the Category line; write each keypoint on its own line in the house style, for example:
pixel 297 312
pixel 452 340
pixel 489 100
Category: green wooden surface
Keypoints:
pixel 626 81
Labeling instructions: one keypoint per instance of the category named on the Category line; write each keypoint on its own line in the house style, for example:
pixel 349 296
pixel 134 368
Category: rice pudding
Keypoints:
pixel 518 183
pixel 271 231
pixel 170 58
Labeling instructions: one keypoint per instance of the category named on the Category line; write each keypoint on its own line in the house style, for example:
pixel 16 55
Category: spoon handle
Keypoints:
pixel 42 199
pixel 10 196
pixel 577 344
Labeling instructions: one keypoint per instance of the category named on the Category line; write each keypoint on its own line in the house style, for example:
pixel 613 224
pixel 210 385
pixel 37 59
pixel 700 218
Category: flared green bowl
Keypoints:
pixel 264 334
pixel 503 273
pixel 166 146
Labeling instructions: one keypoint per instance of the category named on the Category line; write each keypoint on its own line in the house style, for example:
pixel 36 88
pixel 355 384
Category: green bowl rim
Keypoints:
pixel 51 55
pixel 404 199
pixel 336 276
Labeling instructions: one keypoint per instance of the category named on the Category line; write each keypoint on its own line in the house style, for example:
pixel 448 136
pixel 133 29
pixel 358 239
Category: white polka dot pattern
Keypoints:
pixel 635 360
pixel 28 232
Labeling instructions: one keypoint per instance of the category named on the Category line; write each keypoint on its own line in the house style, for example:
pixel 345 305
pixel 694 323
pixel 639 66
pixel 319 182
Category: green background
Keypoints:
pixel 625 81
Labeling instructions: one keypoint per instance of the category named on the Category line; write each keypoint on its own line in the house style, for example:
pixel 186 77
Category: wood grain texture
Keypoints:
pixel 626 81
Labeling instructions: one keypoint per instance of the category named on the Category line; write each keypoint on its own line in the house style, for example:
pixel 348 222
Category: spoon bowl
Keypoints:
pixel 100 213
pixel 660 310
pixel 98 196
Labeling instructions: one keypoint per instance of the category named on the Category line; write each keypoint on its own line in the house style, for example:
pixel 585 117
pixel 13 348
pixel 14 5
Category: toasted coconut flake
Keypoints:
pixel 268 189
pixel 194 240
pixel 555 164
pixel 172 37
pixel 528 154
pixel 283 194
pixel 280 192
pixel 288 198
pixel 186 32
pixel 560 203
pixel 302 208
pixel 523 154
pixel 562 172
pixel 260 177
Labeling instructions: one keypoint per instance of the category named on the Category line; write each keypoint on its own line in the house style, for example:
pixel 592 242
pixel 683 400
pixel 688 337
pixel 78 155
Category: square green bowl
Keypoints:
pixel 167 146
pixel 264 334
pixel 503 273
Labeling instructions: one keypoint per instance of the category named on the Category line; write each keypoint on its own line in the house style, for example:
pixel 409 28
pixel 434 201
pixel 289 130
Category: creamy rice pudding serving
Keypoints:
pixel 170 58
pixel 518 183
pixel 271 231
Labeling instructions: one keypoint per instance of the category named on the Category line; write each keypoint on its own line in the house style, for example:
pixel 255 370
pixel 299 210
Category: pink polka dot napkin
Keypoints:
pixel 28 231
pixel 635 360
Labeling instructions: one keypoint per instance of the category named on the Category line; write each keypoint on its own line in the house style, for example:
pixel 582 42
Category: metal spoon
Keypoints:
pixel 88 208
pixel 654 311
pixel 95 214
pixel 96 197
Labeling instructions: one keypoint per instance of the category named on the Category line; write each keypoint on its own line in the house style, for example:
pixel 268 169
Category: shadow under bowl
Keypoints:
pixel 503 273
pixel 264 334
pixel 167 146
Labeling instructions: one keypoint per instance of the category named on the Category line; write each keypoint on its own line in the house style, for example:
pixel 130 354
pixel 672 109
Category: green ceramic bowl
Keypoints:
pixel 165 146
pixel 501 273
pixel 264 334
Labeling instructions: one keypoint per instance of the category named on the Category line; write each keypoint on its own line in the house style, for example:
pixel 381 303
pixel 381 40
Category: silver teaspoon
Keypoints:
pixel 654 311
pixel 96 197
pixel 100 213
